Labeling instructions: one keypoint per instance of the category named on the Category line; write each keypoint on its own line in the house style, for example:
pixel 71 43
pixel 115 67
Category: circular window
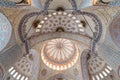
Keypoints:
pixel 5 31
pixel 59 54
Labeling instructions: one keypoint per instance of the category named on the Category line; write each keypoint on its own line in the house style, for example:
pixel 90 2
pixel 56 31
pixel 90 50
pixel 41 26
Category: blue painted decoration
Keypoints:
pixel 114 3
pixel 7 3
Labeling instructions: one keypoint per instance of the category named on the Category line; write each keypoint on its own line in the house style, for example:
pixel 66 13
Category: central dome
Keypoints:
pixel 60 52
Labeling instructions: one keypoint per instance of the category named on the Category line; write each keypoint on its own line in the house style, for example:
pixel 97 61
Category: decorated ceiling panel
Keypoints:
pixel 54 4
pixel 57 3
pixel 60 21
pixel 115 31
pixel 98 69
pixel 59 54
pixel 14 3
pixel 15 0
pixel 5 31
pixel 23 69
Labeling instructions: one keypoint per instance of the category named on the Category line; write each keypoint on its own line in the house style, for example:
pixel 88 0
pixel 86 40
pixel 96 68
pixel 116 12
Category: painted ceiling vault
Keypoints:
pixel 59 40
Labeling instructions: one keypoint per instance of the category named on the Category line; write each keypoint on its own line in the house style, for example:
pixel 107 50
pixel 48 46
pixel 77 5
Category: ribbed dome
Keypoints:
pixel 60 53
pixel 59 49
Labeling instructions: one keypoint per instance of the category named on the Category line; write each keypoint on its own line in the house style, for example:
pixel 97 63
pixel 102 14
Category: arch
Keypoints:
pixel 83 39
pixel 91 15
pixel 22 23
pixel 27 16
pixel 5 30
pixel 22 27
